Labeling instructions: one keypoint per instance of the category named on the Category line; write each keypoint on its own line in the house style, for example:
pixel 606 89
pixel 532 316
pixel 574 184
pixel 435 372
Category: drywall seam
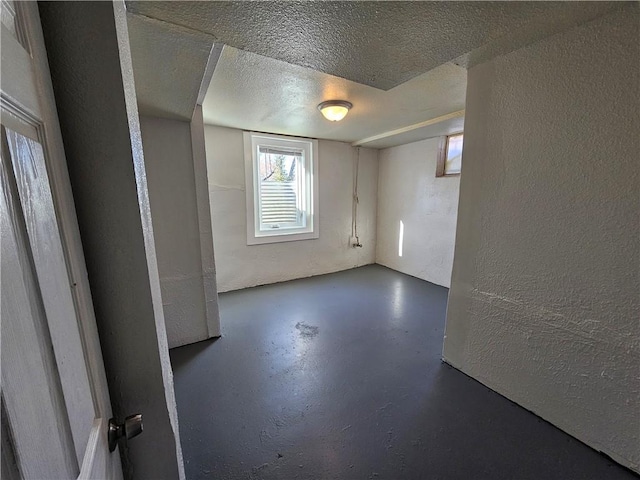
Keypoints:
pixel 180 29
pixel 226 187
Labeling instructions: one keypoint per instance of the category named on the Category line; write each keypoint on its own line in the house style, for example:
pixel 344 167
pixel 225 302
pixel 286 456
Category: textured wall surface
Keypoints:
pixel 172 195
pixel 179 53
pixel 209 282
pixel 88 49
pixel 409 192
pixel 239 266
pixel 544 305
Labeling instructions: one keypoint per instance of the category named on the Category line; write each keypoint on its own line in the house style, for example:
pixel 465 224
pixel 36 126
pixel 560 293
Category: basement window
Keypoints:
pixel 450 156
pixel 281 175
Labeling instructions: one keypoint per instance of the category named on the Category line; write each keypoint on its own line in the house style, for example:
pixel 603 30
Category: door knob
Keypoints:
pixel 131 427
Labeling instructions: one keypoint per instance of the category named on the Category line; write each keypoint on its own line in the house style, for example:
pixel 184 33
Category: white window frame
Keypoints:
pixel 311 228
pixel 443 151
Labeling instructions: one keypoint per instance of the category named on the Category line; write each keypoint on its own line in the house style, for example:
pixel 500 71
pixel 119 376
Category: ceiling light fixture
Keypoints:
pixel 334 110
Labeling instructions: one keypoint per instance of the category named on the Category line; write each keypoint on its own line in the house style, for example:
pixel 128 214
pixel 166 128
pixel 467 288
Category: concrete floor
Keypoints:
pixel 339 377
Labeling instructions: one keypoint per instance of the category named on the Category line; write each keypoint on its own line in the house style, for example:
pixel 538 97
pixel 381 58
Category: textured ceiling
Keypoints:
pixel 180 55
pixel 380 44
pixel 401 64
pixel 253 92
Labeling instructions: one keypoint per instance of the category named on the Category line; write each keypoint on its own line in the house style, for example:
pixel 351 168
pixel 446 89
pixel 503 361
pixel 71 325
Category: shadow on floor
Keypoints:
pixel 340 377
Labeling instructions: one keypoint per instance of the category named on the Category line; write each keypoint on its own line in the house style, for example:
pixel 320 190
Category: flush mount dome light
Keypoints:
pixel 335 110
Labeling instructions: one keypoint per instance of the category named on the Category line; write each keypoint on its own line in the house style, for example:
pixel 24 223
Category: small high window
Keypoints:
pixel 281 186
pixel 450 156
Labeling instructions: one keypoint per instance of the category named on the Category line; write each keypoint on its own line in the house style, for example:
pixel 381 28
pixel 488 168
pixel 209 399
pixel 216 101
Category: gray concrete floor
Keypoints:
pixel 340 377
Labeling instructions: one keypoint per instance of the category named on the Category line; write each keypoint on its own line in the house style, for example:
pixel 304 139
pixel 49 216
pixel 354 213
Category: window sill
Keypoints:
pixel 288 237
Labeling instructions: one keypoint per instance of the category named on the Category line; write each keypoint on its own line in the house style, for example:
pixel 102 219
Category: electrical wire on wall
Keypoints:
pixel 355 240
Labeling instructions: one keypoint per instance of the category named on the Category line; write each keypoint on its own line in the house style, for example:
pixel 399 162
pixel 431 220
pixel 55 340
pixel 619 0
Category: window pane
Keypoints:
pixel 453 162
pixel 280 189
pixel 280 178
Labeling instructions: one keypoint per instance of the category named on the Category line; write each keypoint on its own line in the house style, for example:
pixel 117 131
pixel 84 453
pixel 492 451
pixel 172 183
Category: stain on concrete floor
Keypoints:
pixel 341 378
pixel 307 331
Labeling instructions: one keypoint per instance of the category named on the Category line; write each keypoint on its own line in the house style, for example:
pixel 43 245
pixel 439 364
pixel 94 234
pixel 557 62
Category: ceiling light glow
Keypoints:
pixel 334 110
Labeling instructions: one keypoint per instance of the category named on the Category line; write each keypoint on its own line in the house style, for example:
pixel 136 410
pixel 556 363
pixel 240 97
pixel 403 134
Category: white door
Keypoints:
pixel 54 397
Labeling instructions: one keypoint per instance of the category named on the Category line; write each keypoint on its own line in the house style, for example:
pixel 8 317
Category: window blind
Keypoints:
pixel 278 203
pixel 279 199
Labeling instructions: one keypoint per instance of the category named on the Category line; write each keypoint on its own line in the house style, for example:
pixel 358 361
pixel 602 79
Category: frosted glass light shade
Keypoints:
pixel 334 110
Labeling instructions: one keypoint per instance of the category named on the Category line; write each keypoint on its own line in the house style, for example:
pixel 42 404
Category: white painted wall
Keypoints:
pixel 239 266
pixel 174 210
pixel 409 192
pixel 544 305
pixel 96 103
pixel 209 283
